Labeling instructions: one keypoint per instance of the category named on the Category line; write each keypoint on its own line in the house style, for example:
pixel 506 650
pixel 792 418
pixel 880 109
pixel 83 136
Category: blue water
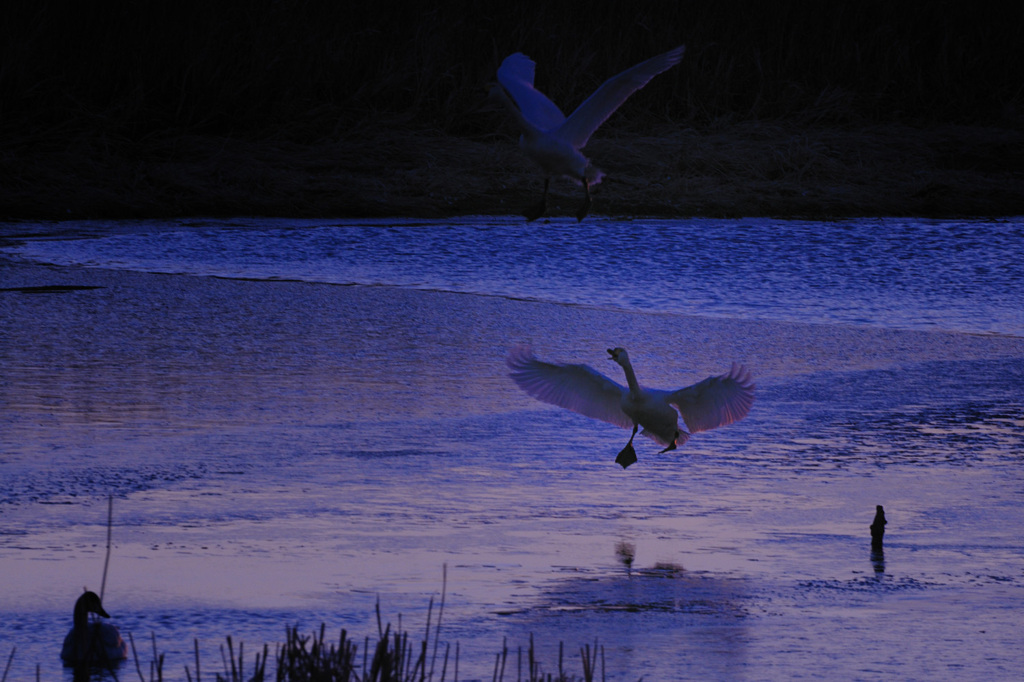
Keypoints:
pixel 295 417
pixel 893 273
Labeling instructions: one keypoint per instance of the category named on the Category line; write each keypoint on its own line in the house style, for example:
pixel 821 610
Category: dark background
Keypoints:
pixel 167 108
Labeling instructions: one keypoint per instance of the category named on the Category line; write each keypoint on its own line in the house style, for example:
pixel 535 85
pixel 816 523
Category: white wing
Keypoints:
pixel 516 75
pixel 589 116
pixel 716 401
pixel 575 387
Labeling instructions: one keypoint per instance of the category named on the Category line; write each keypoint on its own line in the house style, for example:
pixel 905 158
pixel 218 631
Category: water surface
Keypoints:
pixel 899 273
pixel 283 449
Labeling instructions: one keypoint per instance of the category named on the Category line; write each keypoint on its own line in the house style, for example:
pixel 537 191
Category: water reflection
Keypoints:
pixel 625 552
pixel 659 621
pixel 878 560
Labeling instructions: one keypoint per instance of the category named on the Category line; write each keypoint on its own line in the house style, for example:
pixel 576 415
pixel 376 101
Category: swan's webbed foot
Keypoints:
pixel 672 445
pixel 585 207
pixel 538 209
pixel 627 456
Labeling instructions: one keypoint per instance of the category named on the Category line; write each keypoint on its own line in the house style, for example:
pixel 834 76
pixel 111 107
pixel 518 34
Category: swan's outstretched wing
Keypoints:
pixel 589 116
pixel 516 75
pixel 575 387
pixel 716 401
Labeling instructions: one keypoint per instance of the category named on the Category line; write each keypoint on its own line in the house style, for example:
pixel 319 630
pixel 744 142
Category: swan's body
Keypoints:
pixel 92 642
pixel 554 141
pixel 716 401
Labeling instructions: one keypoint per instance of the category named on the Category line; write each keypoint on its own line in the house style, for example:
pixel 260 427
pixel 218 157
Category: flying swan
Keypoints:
pixel 95 642
pixel 553 141
pixel 716 401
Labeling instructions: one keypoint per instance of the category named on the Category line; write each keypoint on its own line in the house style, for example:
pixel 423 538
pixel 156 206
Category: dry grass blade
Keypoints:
pixel 7 668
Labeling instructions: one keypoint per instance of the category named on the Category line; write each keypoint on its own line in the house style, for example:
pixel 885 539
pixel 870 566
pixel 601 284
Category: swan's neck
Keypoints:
pixel 634 386
pixel 81 618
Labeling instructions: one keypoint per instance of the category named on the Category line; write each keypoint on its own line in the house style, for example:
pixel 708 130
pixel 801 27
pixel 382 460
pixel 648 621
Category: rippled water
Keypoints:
pixel 283 452
pixel 955 275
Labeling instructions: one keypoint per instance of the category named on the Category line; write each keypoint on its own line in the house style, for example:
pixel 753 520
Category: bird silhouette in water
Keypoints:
pixel 553 141
pixel 716 401
pixel 92 642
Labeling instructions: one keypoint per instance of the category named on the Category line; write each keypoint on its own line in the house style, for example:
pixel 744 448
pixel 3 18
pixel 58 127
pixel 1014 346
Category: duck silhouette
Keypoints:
pixel 92 641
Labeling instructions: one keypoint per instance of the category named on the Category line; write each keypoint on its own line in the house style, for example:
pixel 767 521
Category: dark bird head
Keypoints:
pixel 88 603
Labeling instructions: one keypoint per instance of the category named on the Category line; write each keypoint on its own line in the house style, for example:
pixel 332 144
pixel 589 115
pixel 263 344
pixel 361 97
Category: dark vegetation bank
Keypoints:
pixel 790 108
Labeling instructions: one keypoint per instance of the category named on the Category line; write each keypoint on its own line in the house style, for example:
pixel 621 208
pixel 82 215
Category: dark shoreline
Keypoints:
pixel 746 169
pixel 267 108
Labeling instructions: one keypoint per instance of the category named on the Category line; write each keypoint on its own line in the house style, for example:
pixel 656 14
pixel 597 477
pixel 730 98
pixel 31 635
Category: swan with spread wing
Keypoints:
pixel 668 417
pixel 553 141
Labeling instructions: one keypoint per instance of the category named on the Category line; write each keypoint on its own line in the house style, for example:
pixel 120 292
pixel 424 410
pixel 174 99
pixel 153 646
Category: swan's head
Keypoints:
pixel 619 355
pixel 88 603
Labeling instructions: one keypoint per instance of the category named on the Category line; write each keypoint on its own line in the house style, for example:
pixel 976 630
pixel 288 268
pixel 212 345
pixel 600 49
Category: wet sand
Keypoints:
pixel 272 444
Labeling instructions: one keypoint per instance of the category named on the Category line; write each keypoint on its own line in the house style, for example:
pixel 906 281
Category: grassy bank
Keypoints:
pixel 745 169
pixel 327 109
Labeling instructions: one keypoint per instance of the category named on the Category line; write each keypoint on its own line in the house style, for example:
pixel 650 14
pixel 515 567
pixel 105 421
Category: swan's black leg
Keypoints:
pixel 628 454
pixel 585 208
pixel 672 445
pixel 537 210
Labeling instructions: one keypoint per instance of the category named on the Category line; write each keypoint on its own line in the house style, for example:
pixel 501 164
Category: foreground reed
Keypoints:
pixel 393 656
pixel 313 659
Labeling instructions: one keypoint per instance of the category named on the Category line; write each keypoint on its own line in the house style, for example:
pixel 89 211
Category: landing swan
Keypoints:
pixel 95 642
pixel 716 401
pixel 553 141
